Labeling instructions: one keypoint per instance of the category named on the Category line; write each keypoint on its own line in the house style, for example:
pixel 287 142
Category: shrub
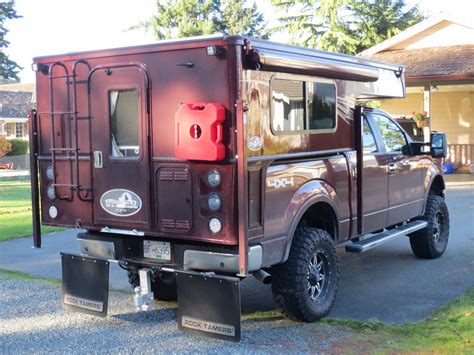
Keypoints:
pixel 5 146
pixel 19 147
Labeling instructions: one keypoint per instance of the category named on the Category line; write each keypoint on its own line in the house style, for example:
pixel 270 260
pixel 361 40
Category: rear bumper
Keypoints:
pixel 188 258
pixel 229 263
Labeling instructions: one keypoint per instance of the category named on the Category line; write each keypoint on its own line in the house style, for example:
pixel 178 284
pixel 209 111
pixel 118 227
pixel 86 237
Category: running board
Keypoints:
pixel 376 240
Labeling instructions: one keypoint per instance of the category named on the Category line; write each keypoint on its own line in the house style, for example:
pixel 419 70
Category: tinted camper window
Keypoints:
pixel 321 106
pixel 124 123
pixel 303 106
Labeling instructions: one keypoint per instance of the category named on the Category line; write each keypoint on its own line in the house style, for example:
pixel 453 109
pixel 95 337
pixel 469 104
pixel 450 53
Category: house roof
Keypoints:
pixel 432 62
pixel 15 104
pixel 418 29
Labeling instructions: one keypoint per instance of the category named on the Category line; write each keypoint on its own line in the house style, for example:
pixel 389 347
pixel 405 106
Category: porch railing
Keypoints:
pixel 461 155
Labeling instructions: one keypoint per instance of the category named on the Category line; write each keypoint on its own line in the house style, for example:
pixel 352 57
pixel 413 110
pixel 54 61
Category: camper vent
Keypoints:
pixel 167 175
pixel 172 224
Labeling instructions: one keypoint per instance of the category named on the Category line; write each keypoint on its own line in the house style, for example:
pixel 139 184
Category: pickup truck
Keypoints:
pixel 196 163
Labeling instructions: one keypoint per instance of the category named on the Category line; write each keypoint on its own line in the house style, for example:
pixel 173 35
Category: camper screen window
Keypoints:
pixel 302 106
pixel 124 123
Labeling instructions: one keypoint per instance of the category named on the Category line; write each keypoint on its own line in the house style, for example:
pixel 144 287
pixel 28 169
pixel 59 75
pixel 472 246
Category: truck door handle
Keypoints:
pixel 391 168
pixel 98 163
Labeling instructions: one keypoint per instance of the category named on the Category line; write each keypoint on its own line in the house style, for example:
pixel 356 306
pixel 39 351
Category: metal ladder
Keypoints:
pixel 71 115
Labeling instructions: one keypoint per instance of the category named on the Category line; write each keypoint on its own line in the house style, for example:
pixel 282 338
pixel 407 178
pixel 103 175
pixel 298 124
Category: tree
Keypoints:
pixel 5 146
pixel 185 18
pixel 381 19
pixel 322 24
pixel 345 26
pixel 8 68
pixel 233 18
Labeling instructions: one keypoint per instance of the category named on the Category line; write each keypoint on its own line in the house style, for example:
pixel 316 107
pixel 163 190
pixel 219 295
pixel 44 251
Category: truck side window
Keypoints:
pixel 124 123
pixel 321 105
pixel 288 105
pixel 368 138
pixel 392 136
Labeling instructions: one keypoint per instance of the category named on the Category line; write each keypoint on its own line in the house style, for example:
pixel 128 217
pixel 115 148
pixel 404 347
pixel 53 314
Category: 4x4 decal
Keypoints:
pixel 278 183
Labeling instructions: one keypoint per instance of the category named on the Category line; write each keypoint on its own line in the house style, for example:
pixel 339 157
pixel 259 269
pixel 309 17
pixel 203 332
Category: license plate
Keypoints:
pixel 157 250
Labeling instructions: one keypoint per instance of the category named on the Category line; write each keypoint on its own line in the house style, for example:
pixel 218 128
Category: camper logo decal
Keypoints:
pixel 121 202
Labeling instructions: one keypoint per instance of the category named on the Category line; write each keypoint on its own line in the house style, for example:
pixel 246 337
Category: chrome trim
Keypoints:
pixel 318 65
pixel 122 231
pixel 97 248
pixel 223 262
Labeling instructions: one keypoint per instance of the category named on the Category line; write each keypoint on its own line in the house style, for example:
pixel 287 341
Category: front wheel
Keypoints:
pixel 304 287
pixel 431 242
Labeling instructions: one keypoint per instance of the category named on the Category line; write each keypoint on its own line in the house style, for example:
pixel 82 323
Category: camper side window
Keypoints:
pixel 288 105
pixel 299 106
pixel 321 106
pixel 124 123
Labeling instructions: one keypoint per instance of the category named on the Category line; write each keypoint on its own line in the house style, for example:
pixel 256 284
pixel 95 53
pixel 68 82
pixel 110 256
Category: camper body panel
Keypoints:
pixel 162 80
pixel 288 166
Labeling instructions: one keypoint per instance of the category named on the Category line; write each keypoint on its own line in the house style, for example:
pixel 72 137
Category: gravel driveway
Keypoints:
pixel 37 324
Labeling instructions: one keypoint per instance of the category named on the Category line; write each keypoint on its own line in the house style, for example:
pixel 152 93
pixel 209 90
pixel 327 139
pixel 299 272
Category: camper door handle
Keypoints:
pixel 98 163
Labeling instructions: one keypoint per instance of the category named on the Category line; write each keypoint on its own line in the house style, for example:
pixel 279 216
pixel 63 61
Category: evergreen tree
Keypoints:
pixel 8 68
pixel 185 18
pixel 378 20
pixel 345 26
pixel 233 18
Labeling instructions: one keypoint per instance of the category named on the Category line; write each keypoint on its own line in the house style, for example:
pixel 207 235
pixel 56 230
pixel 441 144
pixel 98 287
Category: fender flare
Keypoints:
pixel 316 191
pixel 432 174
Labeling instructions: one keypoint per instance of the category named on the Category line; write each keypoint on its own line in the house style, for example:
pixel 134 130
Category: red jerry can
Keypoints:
pixel 199 132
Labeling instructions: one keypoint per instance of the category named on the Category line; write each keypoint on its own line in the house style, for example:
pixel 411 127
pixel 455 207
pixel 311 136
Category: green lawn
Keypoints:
pixel 15 211
pixel 449 330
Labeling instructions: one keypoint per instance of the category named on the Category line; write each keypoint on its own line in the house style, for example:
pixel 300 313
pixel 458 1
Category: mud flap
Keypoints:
pixel 85 284
pixel 209 305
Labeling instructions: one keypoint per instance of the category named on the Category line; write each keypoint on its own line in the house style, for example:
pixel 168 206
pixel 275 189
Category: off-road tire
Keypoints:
pixel 431 242
pixel 164 287
pixel 292 278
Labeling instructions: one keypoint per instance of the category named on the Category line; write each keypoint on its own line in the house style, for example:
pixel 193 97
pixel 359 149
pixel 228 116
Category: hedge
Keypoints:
pixel 19 147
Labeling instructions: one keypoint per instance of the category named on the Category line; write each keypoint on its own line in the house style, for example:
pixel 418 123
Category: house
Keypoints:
pixel 15 102
pixel 439 57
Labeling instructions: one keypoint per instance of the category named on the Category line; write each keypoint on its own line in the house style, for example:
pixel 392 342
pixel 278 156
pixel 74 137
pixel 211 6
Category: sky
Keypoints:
pixel 61 26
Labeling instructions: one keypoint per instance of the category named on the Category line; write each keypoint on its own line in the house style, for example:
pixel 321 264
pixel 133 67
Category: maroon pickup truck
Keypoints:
pixel 196 163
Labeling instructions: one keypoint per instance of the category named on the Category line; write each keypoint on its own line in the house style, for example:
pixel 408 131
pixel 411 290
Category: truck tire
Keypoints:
pixel 304 287
pixel 431 242
pixel 163 287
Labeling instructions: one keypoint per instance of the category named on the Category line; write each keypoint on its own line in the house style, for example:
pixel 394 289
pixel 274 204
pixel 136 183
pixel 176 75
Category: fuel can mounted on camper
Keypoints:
pixel 199 132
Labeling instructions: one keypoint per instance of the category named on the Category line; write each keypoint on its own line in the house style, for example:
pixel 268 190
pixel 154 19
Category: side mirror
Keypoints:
pixel 439 145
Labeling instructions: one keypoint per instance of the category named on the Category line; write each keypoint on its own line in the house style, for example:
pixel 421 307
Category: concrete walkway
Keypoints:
pixel 19 255
pixel 459 180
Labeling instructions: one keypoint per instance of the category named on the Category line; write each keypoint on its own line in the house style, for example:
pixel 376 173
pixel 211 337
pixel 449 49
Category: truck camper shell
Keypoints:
pixel 205 155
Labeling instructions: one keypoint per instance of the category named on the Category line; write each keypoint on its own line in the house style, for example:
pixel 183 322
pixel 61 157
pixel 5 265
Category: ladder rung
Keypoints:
pixel 65 185
pixel 61 76
pixel 79 118
pixel 57 113
pixel 78 82
pixel 63 149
